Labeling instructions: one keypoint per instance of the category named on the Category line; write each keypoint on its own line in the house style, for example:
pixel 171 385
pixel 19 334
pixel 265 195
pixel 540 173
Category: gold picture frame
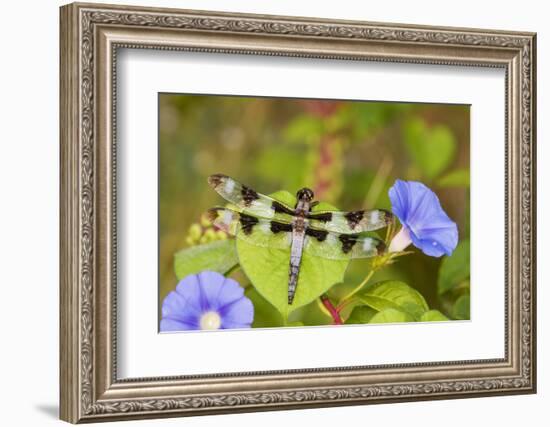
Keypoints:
pixel 90 37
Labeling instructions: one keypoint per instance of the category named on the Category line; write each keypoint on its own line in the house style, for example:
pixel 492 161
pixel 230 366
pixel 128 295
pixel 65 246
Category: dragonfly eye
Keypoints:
pixel 305 194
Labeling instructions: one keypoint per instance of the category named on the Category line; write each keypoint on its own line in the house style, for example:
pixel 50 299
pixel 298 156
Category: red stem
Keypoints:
pixel 332 310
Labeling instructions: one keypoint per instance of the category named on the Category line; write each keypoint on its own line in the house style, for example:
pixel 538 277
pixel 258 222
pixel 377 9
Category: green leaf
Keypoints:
pixel 294 324
pixel 454 269
pixel 285 197
pixel 395 295
pixel 368 118
pixel 304 129
pixel 311 315
pixel 433 316
pixel 265 315
pixel 461 309
pixel 267 269
pixel 271 160
pixel 361 314
pixel 431 149
pixel 391 315
pixel 455 178
pixel 219 256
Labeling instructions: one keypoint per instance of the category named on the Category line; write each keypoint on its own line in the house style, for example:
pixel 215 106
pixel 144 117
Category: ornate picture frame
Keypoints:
pixel 90 37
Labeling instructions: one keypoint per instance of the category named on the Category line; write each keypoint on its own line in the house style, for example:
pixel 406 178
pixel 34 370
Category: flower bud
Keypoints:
pixel 195 231
pixel 205 221
pixel 210 235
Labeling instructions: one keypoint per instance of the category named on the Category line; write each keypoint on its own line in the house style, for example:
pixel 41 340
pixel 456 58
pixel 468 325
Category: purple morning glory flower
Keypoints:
pixel 207 300
pixel 425 223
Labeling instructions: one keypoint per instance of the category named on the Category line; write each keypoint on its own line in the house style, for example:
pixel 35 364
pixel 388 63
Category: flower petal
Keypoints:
pixel 230 292
pixel 400 241
pixel 238 314
pixel 171 325
pixel 211 284
pixel 189 289
pixel 426 211
pixel 418 208
pixel 438 241
pixel 177 307
pixel 399 199
pixel 205 292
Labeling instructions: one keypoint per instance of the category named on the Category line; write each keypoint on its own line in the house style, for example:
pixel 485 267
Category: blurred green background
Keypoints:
pixel 348 152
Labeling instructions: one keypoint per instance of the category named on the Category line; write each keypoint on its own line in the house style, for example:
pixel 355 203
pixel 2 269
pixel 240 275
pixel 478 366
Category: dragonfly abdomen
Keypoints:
pixel 293 279
pixel 296 249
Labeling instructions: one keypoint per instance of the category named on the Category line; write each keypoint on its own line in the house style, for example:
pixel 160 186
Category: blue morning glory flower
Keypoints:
pixel 207 300
pixel 425 223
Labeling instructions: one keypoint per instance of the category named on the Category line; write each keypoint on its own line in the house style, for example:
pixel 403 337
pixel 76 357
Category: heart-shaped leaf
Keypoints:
pixel 391 315
pixel 461 308
pixel 454 269
pixel 361 314
pixel 395 295
pixel 433 316
pixel 267 268
pixel 456 178
pixel 218 256
pixel 431 148
pixel 265 315
pixel 312 314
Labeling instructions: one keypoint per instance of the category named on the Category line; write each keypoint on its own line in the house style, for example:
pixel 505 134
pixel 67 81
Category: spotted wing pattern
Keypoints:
pixel 247 200
pixel 257 231
pixel 278 235
pixel 339 246
pixel 350 222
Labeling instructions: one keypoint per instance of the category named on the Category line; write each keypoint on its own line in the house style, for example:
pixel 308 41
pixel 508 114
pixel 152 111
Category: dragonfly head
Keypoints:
pixel 305 194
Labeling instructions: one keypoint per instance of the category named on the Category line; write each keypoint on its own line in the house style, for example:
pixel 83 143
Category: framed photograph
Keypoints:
pixel 265 212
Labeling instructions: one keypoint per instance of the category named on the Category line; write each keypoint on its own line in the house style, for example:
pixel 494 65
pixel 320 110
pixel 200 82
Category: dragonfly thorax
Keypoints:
pixel 303 205
pixel 305 194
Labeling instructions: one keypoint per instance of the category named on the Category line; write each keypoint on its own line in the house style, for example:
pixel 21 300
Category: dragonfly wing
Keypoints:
pixel 339 246
pixel 256 231
pixel 351 222
pixel 247 200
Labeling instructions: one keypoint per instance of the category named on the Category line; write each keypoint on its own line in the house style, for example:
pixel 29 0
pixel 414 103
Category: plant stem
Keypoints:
pixel 343 301
pixel 386 260
pixel 322 307
pixel 337 320
pixel 231 270
pixel 378 182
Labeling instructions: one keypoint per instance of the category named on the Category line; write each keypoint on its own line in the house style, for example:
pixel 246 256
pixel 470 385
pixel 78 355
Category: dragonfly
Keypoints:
pixel 265 222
